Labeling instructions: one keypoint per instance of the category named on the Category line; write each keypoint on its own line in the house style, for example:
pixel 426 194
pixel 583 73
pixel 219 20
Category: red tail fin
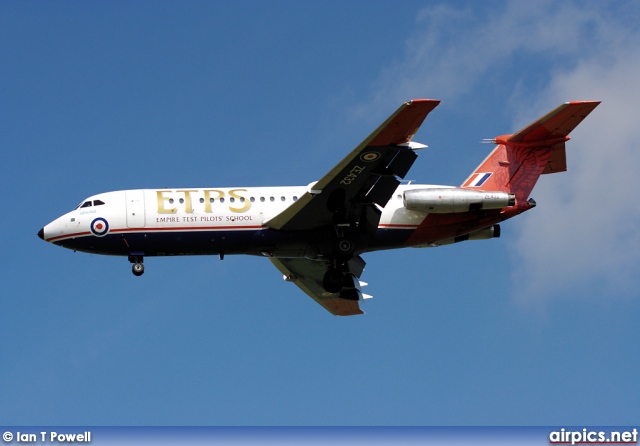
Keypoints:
pixel 519 159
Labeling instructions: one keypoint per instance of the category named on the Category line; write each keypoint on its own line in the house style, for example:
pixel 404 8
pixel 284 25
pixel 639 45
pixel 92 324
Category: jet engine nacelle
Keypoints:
pixel 455 199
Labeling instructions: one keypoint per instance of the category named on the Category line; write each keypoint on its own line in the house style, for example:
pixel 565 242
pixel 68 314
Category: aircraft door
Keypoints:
pixel 135 208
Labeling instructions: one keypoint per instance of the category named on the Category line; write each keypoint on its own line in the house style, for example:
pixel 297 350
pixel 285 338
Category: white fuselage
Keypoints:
pixel 229 214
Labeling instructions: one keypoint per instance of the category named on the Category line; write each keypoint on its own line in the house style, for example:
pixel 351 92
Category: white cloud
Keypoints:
pixel 585 229
pixel 455 47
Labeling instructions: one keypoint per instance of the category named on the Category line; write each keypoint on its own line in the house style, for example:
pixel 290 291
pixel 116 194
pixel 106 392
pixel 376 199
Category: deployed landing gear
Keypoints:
pixel 344 248
pixel 333 280
pixel 336 277
pixel 138 267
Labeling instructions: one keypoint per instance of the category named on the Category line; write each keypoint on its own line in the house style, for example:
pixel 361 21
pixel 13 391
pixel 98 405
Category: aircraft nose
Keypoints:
pixel 41 233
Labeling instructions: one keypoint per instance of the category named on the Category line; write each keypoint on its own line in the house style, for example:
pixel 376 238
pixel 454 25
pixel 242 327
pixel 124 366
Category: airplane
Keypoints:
pixel 315 235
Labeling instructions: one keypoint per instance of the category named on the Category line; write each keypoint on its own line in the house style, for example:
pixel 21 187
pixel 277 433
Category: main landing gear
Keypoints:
pixel 335 279
pixel 138 267
pixel 339 279
pixel 343 248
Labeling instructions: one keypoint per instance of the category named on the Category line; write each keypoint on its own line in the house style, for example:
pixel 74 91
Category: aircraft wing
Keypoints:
pixel 307 275
pixel 364 178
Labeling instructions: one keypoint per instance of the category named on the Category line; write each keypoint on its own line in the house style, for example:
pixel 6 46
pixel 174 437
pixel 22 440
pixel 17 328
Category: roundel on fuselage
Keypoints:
pixel 99 227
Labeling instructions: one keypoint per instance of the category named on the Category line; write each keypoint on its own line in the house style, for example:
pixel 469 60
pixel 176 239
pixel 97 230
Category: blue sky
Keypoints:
pixel 537 327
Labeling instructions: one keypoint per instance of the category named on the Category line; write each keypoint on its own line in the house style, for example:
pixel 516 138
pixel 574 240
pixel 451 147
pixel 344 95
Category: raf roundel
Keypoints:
pixel 369 156
pixel 99 227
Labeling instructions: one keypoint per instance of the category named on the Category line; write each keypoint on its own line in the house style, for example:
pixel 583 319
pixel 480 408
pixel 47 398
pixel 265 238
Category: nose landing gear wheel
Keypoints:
pixel 137 269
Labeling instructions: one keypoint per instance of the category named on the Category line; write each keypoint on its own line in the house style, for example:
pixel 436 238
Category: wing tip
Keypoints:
pixel 583 102
pixel 423 101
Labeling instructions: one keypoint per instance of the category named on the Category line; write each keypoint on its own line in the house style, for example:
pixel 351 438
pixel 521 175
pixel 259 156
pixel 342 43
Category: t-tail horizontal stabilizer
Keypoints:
pixel 520 158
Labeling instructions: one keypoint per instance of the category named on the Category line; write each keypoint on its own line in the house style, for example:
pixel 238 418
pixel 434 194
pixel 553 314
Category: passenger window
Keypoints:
pixel 281 198
pixel 201 200
pixel 98 202
pixel 272 199
pixel 252 199
pixel 295 198
pixel 262 199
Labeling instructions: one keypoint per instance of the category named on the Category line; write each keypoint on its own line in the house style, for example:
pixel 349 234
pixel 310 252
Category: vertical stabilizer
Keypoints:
pixel 520 158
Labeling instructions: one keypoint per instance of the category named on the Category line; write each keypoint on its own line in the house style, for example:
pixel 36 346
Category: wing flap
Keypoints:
pixel 307 275
pixel 366 176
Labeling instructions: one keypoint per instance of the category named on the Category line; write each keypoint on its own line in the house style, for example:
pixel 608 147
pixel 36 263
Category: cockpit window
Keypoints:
pixel 98 202
pixel 86 204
